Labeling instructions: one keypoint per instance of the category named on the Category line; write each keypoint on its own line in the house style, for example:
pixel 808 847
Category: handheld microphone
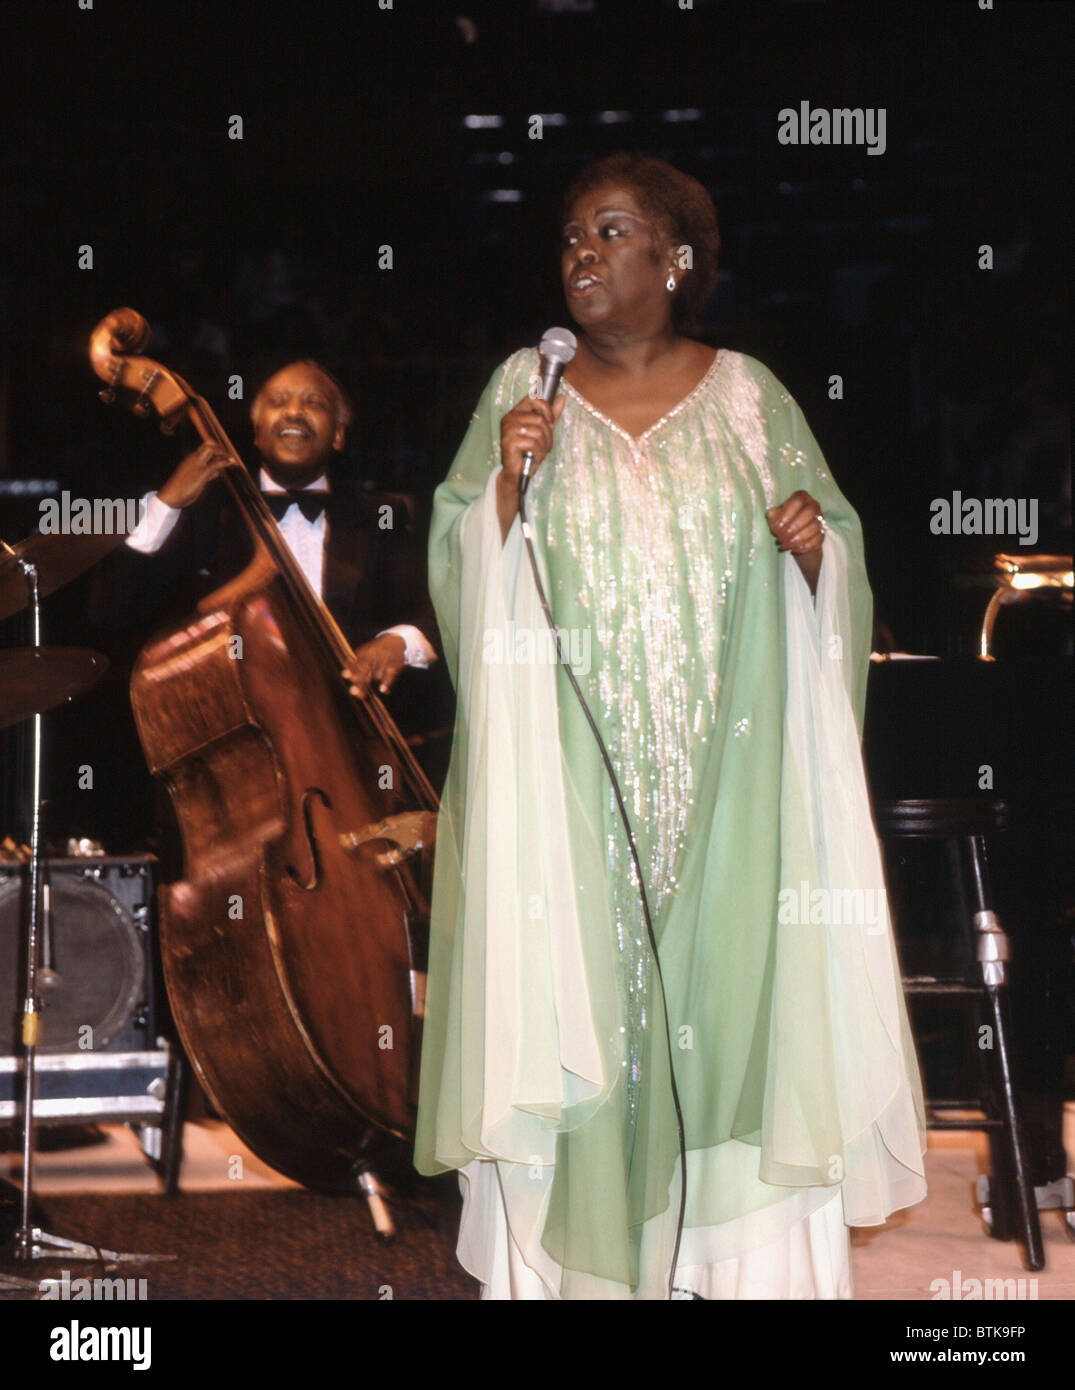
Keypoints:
pixel 557 348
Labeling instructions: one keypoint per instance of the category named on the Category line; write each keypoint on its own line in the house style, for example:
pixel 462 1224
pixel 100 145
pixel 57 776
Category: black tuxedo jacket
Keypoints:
pixel 374 575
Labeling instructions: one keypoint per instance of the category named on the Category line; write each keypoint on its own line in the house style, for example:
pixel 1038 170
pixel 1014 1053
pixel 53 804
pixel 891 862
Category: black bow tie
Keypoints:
pixel 311 504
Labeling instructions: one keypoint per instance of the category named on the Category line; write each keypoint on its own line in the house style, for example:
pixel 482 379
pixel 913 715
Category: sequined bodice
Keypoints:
pixel 649 541
pixel 649 533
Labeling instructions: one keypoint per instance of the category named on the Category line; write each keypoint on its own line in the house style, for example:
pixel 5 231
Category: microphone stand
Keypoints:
pixel 31 1242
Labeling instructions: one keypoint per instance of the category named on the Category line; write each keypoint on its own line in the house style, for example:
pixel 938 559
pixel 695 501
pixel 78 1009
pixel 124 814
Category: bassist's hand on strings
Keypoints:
pixel 188 481
pixel 380 660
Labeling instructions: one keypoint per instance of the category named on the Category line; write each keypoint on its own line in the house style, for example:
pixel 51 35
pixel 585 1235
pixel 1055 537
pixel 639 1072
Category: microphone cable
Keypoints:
pixel 524 483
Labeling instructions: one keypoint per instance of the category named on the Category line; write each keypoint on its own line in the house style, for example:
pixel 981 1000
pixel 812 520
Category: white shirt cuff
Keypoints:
pixel 157 524
pixel 419 650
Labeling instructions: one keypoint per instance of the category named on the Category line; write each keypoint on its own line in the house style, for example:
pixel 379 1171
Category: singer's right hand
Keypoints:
pixel 527 429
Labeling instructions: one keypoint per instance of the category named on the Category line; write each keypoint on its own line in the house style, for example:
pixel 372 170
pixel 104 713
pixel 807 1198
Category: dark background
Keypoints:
pixel 243 253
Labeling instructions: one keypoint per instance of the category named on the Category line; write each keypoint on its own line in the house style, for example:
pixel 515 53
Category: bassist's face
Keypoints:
pixel 296 425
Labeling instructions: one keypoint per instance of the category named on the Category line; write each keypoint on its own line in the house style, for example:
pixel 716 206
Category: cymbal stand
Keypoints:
pixel 30 1242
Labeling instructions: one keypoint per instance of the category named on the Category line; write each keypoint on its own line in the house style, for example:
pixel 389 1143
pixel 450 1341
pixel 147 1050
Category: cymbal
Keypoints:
pixel 34 679
pixel 58 560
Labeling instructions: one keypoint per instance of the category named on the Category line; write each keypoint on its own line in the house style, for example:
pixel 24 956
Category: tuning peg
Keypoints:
pixel 107 395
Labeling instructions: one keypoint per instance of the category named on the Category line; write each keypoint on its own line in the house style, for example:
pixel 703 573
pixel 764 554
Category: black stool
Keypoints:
pixel 1008 1197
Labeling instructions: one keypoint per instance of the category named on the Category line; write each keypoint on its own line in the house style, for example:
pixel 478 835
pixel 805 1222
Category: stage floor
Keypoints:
pixel 897 1261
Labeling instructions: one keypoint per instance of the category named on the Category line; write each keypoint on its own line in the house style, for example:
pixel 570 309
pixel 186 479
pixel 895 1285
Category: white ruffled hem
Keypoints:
pixel 809 1259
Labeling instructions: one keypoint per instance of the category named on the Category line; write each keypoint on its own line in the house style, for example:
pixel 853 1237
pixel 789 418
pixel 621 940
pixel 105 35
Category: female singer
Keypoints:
pixel 706 578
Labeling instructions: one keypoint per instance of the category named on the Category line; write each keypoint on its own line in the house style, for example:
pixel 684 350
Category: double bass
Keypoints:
pixel 292 947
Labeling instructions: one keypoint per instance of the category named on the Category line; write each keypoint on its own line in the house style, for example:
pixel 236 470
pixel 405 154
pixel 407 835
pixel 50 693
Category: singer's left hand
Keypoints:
pixel 798 526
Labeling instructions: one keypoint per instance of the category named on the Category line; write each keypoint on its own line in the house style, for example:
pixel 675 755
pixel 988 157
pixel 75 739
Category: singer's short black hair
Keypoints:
pixel 677 203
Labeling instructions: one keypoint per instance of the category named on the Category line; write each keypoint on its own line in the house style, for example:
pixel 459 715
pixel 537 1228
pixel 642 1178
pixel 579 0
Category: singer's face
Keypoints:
pixel 614 262
pixel 295 423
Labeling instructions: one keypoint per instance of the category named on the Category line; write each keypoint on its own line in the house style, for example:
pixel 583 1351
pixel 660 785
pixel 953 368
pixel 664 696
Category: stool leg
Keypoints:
pixel 1001 1186
pixel 992 952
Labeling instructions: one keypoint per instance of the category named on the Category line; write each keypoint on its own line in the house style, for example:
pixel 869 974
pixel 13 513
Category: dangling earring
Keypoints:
pixel 670 283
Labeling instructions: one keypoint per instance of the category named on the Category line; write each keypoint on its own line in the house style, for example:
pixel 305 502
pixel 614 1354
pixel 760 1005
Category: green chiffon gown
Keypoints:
pixel 731 702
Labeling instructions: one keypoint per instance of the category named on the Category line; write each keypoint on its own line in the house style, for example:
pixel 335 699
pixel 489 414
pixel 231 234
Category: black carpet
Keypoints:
pixel 283 1244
